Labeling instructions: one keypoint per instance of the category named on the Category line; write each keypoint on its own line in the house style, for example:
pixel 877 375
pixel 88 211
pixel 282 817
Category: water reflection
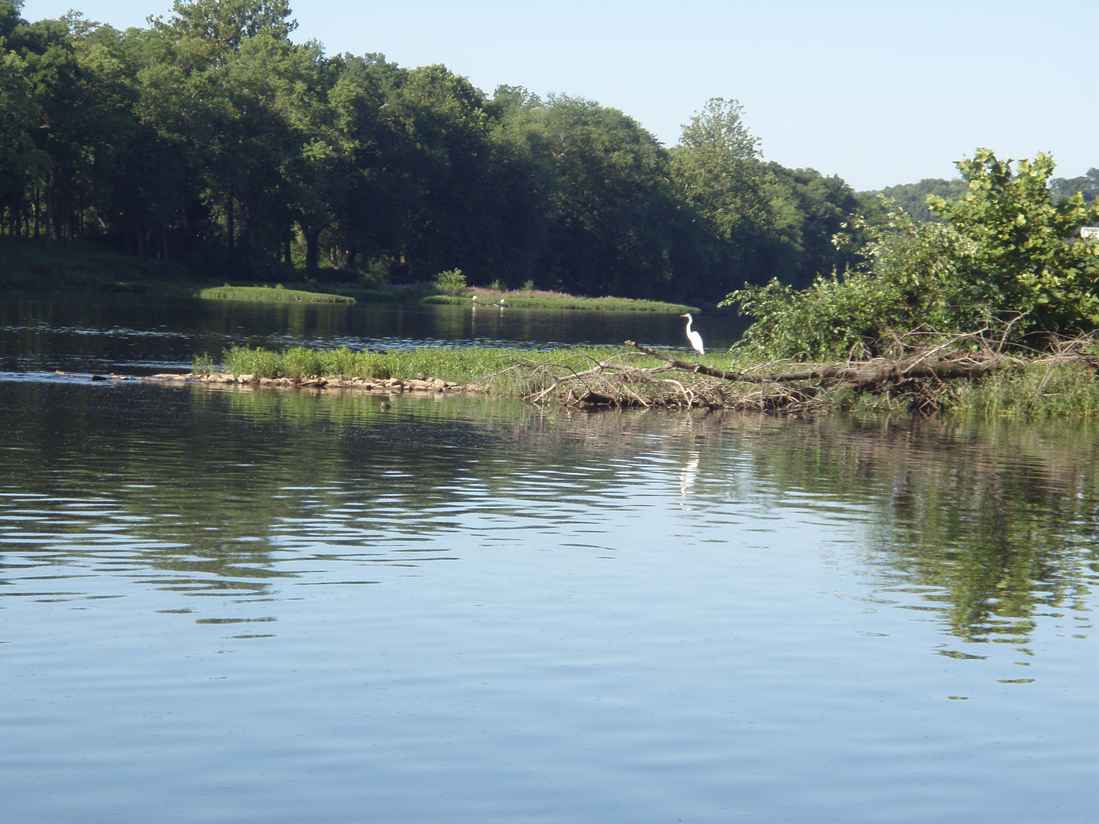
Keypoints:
pixel 202 491
pixel 544 617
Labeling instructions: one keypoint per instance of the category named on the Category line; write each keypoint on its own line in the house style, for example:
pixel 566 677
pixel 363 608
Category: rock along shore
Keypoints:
pixel 381 385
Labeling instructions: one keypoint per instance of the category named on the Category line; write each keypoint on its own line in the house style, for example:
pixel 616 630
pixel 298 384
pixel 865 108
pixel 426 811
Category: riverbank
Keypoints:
pixel 561 301
pixel 82 266
pixel 37 266
pixel 1058 385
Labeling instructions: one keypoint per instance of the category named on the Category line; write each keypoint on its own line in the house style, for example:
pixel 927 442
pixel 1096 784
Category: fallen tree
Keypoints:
pixel 920 371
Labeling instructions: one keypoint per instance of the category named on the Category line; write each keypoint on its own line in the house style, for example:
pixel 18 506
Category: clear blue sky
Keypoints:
pixel 877 92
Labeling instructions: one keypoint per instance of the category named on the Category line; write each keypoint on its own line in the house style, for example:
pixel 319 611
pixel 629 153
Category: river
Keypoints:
pixel 257 606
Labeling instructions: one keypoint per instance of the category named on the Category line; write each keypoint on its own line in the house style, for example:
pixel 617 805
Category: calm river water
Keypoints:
pixel 236 606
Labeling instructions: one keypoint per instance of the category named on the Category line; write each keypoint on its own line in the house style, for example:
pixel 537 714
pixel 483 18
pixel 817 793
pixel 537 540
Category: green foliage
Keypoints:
pixel 1026 249
pixel 241 360
pixel 450 281
pixel 212 139
pixel 1003 249
pixel 457 364
pixel 912 197
pixel 1036 392
pixel 202 364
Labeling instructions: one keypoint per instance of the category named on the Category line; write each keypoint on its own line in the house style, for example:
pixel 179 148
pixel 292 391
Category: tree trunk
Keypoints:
pixel 230 221
pixel 312 248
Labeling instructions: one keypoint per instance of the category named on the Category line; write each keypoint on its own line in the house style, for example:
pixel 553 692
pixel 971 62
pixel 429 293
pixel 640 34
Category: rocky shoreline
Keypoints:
pixel 379 385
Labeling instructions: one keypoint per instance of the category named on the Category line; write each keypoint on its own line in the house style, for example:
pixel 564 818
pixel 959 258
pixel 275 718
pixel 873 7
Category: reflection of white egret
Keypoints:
pixel 501 303
pixel 688 474
pixel 694 337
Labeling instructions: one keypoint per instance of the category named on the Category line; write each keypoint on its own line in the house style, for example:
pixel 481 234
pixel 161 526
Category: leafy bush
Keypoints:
pixel 1003 249
pixel 450 281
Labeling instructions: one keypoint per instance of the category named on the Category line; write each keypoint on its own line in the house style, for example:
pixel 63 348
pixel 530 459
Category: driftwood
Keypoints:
pixel 919 369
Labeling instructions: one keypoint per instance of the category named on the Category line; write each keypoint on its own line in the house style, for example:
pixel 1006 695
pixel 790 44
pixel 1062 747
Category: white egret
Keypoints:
pixel 692 336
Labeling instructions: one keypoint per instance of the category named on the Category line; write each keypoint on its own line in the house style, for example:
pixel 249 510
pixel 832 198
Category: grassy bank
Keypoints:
pixel 540 299
pixel 506 371
pixel 616 376
pixel 270 294
pixel 57 266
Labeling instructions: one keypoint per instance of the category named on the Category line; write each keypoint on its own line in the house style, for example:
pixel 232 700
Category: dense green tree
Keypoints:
pixel 210 136
pixel 1025 246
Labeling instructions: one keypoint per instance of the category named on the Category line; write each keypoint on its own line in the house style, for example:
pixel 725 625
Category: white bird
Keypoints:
pixel 694 337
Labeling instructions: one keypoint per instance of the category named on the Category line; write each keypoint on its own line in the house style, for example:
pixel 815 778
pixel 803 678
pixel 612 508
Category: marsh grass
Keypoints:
pixel 1035 392
pixel 540 299
pixel 509 371
pixel 270 294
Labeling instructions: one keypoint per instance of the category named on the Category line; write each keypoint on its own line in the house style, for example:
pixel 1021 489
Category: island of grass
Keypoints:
pixel 270 294
pixel 560 301
pixel 944 377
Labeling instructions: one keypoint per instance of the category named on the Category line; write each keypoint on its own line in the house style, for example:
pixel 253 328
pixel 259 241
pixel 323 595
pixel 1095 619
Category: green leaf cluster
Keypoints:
pixel 1005 248
pixel 450 281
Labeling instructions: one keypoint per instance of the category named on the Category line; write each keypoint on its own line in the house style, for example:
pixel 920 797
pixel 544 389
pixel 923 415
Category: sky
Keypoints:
pixel 876 92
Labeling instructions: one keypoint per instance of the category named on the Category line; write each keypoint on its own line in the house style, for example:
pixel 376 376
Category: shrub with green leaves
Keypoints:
pixel 1004 249
pixel 450 281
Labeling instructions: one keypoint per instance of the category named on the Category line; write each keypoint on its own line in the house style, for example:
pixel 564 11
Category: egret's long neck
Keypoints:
pixel 689 319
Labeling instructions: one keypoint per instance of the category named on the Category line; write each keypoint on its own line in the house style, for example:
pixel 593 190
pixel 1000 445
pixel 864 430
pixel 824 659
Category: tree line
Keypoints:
pixel 212 138
pixel 913 197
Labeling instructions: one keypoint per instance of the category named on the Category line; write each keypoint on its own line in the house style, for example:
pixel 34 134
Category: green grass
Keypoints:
pixel 464 365
pixel 1036 392
pixel 460 364
pixel 270 294
pixel 538 299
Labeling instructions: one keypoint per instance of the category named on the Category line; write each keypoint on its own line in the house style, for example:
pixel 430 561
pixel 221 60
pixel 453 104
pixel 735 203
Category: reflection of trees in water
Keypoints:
pixel 216 487
pixel 222 488
pixel 999 522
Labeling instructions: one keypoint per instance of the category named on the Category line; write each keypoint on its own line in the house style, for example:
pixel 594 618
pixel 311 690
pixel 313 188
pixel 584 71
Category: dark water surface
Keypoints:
pixel 235 606
pixel 135 335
